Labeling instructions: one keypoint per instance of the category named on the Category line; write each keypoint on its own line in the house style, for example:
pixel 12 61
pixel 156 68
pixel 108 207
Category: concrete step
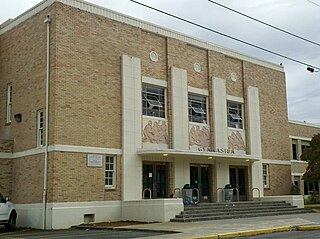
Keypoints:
pixel 221 213
pixel 242 215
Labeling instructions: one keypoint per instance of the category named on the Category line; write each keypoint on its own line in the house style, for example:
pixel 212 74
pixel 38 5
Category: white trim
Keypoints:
pixel 98 10
pixel 62 148
pixel 153 81
pixel 275 161
pixel 298 161
pixel 235 99
pixel 301 138
pixel 297 174
pixel 198 91
pixel 304 123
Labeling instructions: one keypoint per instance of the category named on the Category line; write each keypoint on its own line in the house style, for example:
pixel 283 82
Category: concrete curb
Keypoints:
pixel 259 232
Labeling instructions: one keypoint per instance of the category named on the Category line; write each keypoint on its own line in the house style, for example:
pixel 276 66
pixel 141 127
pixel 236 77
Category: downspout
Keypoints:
pixel 47 21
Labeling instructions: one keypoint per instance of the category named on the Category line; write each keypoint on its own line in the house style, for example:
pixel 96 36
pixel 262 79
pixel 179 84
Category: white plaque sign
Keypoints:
pixel 94 160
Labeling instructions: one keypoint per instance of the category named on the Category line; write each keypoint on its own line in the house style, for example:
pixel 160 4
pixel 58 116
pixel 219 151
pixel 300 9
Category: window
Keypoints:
pixel 197 108
pixel 110 176
pixel 40 128
pixel 153 103
pixel 304 145
pixel 265 169
pixel 294 149
pixel 234 115
pixel 9 103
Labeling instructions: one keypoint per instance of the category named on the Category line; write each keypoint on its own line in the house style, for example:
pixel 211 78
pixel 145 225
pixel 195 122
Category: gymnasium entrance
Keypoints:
pixel 155 179
pixel 200 179
pixel 239 179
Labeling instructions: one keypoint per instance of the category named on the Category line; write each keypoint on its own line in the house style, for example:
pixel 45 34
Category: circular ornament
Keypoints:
pixel 233 76
pixel 154 56
pixel 197 67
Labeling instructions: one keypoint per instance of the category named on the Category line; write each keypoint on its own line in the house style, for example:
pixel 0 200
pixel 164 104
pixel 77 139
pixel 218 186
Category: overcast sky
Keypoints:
pixel 300 17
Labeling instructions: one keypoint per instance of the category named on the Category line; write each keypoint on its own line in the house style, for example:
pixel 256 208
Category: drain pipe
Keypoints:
pixel 47 21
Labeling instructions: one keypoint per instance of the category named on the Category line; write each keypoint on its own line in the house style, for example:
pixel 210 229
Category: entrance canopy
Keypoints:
pixel 224 154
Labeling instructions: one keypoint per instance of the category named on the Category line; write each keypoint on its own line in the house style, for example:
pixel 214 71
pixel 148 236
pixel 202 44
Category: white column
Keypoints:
pixel 222 177
pixel 254 133
pixel 131 128
pixel 220 113
pixel 179 100
pixel 181 172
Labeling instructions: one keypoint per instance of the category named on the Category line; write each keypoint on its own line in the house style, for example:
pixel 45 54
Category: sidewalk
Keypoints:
pixel 233 227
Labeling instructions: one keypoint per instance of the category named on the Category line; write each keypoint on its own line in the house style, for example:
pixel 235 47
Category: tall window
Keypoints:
pixel 110 172
pixel 304 145
pixel 266 179
pixel 40 128
pixel 153 101
pixel 197 108
pixel 295 149
pixel 234 115
pixel 9 103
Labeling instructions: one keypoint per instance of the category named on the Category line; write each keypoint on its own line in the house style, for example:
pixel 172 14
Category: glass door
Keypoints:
pixel 155 178
pixel 199 178
pixel 238 179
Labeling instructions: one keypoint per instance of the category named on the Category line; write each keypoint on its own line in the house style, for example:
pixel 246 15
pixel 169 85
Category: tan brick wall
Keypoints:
pixel 71 180
pixel 303 130
pixel 273 110
pixel 27 179
pixel 6 146
pixel 23 63
pixel 6 177
pixel 280 180
pixel 298 167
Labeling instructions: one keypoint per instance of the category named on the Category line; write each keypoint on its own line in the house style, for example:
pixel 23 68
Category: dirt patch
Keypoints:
pixel 110 224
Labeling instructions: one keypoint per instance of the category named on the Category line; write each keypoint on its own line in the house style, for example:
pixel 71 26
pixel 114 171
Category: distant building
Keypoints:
pixel 135 111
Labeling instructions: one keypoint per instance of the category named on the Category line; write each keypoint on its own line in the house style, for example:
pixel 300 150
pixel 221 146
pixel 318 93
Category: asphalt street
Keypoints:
pixel 285 235
pixel 75 233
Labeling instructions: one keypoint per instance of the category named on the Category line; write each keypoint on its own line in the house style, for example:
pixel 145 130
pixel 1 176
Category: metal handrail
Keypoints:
pixel 258 192
pixel 143 193
pixel 238 196
pixel 218 194
pixel 198 194
pixel 179 192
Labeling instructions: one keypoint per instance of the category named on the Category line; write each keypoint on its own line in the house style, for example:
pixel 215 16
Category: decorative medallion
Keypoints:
pixel 197 67
pixel 233 76
pixel 154 56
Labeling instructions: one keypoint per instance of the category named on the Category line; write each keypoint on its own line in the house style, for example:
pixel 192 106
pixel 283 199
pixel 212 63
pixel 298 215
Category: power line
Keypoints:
pixel 314 3
pixel 225 35
pixel 264 23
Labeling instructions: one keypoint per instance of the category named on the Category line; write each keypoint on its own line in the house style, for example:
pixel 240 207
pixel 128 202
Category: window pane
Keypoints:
pixel 197 108
pixel 153 101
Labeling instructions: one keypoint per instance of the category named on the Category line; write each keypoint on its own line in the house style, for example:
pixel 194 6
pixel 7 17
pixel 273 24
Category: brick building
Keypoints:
pixel 133 110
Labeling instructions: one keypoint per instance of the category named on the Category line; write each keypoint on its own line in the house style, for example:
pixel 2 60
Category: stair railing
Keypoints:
pixel 198 194
pixel 179 193
pixel 238 197
pixel 144 191
pixel 258 192
pixel 222 189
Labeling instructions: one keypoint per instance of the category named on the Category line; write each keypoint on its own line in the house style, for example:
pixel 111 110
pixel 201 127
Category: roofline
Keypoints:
pixel 98 10
pixel 304 123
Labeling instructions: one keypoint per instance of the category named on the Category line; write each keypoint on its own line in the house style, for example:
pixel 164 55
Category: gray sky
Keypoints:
pixel 297 16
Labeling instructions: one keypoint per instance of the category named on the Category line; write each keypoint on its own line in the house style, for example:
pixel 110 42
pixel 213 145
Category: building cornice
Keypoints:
pixel 304 124
pixel 98 10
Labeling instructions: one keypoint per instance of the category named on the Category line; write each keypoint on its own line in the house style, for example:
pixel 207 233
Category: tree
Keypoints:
pixel 312 156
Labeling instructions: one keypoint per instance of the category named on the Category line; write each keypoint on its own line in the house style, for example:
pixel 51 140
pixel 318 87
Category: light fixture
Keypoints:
pixel 18 117
pixel 209 157
pixel 247 160
pixel 165 155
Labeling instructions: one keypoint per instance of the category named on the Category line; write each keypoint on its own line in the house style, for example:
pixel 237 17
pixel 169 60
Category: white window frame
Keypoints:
pixel 197 109
pixel 266 175
pixel 110 170
pixel 9 103
pixel 235 114
pixel 153 104
pixel 40 128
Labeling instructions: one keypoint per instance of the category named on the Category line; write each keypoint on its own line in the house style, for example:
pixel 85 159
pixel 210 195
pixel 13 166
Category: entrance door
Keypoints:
pixel 199 178
pixel 238 180
pixel 155 179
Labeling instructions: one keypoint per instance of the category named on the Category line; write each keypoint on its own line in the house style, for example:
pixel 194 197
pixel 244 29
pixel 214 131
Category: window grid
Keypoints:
pixel 40 128
pixel 234 115
pixel 197 108
pixel 110 172
pixel 265 169
pixel 153 101
pixel 9 103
